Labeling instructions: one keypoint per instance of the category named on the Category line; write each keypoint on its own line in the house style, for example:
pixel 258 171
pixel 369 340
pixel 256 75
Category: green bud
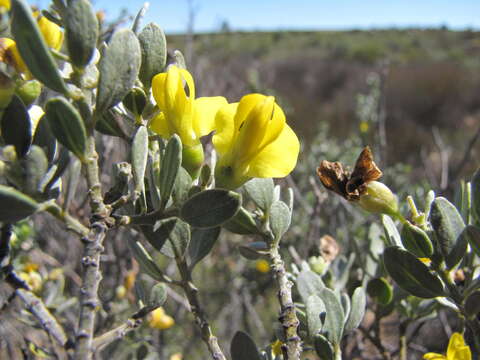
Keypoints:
pixel 29 91
pixel 318 264
pixel 379 199
pixel 135 101
pixel 192 159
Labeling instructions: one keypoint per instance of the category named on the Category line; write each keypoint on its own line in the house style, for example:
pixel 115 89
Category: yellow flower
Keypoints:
pixel 4 5
pixel 51 32
pixel 457 350
pixel 176 356
pixel 160 320
pixel 262 266
pixel 183 114
pixel 9 55
pixel 253 140
pixel 277 348
pixel 33 279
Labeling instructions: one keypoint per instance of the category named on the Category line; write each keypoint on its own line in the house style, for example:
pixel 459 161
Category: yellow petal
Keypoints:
pixel 205 109
pixel 252 131
pixel 434 356
pixel 456 343
pixel 189 80
pixel 158 89
pixel 463 353
pixel 275 126
pixel 224 128
pixel 51 32
pixel 247 103
pixel 5 4
pixel 160 125
pixel 277 159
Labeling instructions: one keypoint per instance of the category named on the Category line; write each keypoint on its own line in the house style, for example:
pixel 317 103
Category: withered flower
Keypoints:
pixel 350 186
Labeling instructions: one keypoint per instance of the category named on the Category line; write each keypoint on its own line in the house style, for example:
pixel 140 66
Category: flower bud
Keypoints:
pixel 29 91
pixel 318 264
pixel 262 266
pixel 135 101
pixel 379 199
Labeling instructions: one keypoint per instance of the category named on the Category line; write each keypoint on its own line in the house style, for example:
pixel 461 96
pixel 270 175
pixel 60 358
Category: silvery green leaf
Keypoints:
pixel 261 192
pixel 280 218
pixel 314 308
pixel 81 32
pixel 44 138
pixel 67 125
pixel 411 274
pixel 171 237
pixel 447 224
pixel 15 205
pixel 154 53
pixel 119 67
pixel 242 223
pixel 139 158
pixel 472 234
pixel 323 347
pixel 357 310
pixel 16 127
pixel 145 261
pixel 416 240
pixel 169 167
pixel 179 60
pixel 254 250
pixel 391 232
pixel 309 283
pixel 210 208
pixel 33 49
pixel 72 179
pixel 158 295
pixel 35 165
pixel 182 186
pixel 335 317
pixel 243 347
pixel 201 243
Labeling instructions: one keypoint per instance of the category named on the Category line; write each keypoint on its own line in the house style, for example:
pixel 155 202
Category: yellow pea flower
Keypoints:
pixel 52 35
pixel 4 6
pixel 457 350
pixel 253 141
pixel 183 114
pixel 160 320
pixel 51 32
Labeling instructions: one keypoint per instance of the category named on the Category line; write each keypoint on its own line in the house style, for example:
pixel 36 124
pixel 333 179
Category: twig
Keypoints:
pixel 288 317
pixel 91 256
pixel 200 318
pixel 48 322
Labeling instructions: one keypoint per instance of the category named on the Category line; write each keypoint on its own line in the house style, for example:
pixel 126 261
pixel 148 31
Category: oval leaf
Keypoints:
pixel 243 347
pixel 169 167
pixel 17 127
pixel 67 125
pixel 261 192
pixel 210 208
pixel 81 32
pixel 416 240
pixel 158 295
pixel 380 290
pixel 171 237
pixel 315 307
pixel 32 47
pixel 335 317
pixel 280 217
pixel 145 261
pixel 411 274
pixel 15 205
pixel 323 347
pixel 447 224
pixel 391 232
pixel 357 310
pixel 154 53
pixel 472 233
pixel 119 68
pixel 140 157
pixel 201 243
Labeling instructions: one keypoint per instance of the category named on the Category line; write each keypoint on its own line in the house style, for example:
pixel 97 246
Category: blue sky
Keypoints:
pixel 302 14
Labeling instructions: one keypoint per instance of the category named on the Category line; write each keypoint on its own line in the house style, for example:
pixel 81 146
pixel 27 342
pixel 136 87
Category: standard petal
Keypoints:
pixel 277 159
pixel 246 104
pixel 205 109
pixel 158 89
pixel 159 125
pixel 224 128
pixel 275 126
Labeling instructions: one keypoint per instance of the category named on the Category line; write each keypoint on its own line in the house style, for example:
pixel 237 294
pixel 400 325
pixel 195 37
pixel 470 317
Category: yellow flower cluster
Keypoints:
pixel 52 34
pixel 251 137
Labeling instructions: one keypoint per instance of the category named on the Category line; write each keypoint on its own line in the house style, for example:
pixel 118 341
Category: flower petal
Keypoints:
pixel 159 124
pixel 434 356
pixel 456 342
pixel 158 89
pixel 224 128
pixel 278 158
pixel 205 109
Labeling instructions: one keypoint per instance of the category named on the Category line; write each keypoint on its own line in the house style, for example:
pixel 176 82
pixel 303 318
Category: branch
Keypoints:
pixel 288 317
pixel 200 318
